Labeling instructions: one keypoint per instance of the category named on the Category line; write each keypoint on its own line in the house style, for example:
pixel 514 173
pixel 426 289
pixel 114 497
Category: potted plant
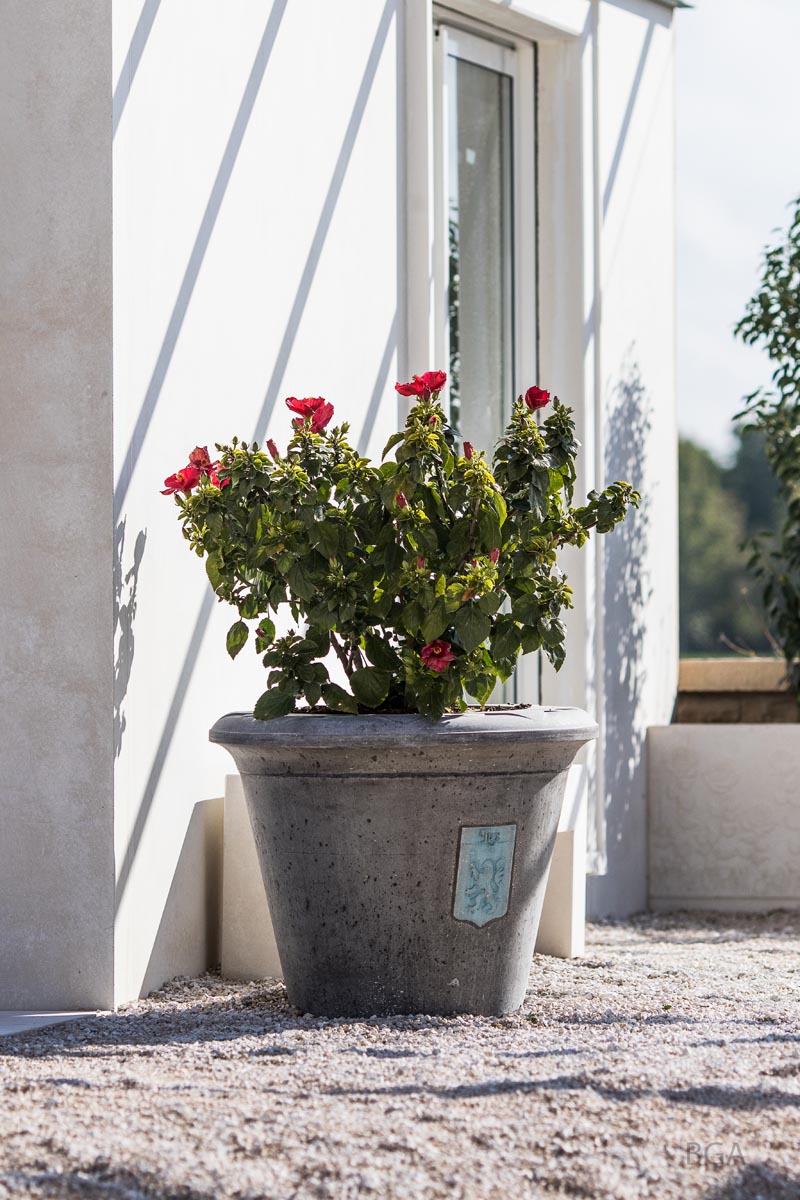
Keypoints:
pixel 404 836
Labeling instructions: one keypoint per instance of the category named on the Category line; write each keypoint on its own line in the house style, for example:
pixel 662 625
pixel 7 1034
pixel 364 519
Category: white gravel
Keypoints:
pixel 666 1063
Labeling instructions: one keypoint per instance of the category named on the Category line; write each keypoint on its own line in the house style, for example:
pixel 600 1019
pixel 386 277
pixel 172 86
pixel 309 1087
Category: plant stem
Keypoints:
pixel 341 654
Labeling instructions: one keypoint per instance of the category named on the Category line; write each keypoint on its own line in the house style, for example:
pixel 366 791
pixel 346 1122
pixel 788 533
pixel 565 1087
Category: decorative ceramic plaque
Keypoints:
pixel 483 878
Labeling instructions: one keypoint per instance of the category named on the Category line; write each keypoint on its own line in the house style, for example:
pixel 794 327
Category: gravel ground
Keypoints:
pixel 666 1063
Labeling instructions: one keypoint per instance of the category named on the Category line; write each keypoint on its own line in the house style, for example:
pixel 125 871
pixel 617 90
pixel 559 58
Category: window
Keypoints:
pixel 485 241
pixel 485 227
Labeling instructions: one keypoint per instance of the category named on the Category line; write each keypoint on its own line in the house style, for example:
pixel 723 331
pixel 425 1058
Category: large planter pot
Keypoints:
pixel 405 861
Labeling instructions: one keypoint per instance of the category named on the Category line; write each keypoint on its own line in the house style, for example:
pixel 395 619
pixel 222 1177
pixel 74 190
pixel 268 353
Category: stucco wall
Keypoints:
pixel 255 257
pixel 56 545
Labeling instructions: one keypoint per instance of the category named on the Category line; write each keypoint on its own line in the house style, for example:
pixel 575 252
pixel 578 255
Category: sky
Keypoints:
pixel 738 136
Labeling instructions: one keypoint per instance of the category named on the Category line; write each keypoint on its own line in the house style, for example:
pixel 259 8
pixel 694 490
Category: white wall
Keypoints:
pixel 56 546
pixel 607 327
pixel 637 377
pixel 255 257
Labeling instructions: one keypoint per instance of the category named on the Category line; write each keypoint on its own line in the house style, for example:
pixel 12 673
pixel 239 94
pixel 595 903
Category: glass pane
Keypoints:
pixel 480 284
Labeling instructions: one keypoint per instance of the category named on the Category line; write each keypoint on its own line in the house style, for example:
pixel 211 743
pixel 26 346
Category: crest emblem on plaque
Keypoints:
pixel 483 876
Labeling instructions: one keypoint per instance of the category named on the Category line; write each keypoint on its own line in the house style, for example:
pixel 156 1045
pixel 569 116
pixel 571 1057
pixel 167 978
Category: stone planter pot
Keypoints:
pixel 405 862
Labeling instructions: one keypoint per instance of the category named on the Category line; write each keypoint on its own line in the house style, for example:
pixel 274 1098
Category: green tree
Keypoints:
pixel 751 482
pixel 772 320
pixel 717 605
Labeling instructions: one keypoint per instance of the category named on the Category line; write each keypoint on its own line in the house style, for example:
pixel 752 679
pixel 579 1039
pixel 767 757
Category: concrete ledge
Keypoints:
pixel 734 691
pixel 724 817
pixel 732 675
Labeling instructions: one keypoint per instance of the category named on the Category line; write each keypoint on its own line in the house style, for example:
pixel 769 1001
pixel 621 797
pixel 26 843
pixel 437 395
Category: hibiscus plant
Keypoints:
pixel 426 576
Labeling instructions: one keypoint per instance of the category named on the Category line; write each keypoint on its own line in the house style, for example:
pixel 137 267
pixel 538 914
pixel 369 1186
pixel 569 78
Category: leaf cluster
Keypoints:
pixel 378 562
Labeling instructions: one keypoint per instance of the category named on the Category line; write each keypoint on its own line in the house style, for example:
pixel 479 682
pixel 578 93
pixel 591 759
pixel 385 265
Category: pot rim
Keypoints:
pixel 535 723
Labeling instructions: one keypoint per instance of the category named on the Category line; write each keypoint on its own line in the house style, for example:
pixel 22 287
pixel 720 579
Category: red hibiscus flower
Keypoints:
pixel 536 397
pixel 494 555
pixel 182 481
pixel 421 563
pixel 437 656
pixel 400 500
pixel 273 449
pixel 315 407
pixel 214 477
pixel 200 459
pixel 469 450
pixel 423 385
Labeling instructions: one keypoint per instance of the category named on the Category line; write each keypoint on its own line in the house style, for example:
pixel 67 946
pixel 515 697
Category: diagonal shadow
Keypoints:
pixel 628 117
pixel 132 59
pixel 755 1180
pixel 167 733
pixel 287 342
pixel 378 389
pixel 198 253
pixel 324 223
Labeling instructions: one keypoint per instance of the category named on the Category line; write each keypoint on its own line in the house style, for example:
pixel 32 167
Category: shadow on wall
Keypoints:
pixel 625 598
pixel 125 589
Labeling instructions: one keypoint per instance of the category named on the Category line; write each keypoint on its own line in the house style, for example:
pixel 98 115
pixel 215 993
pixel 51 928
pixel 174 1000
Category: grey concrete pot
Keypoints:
pixel 405 862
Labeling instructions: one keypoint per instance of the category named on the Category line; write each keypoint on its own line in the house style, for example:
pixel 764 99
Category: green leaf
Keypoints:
pixel 237 636
pixel 527 609
pixel 435 621
pixel 325 536
pixel 472 627
pixel 506 640
pixel 214 570
pixel 489 528
pixel 531 640
pixel 370 686
pixel 273 704
pixel 301 582
pixel 412 617
pixel 265 634
pixel 248 608
pixel 392 557
pixel 480 686
pixel 392 442
pixel 337 698
pixel 490 602
pixel 499 505
pixel 380 653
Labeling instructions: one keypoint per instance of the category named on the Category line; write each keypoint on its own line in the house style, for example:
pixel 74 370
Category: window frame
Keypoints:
pixel 515 57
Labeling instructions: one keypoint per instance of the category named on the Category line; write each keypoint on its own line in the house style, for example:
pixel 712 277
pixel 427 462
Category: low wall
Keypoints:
pixel 731 691
pixel 724 817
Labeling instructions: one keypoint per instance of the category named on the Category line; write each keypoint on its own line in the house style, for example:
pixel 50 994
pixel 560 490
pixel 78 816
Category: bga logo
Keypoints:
pixel 713 1156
